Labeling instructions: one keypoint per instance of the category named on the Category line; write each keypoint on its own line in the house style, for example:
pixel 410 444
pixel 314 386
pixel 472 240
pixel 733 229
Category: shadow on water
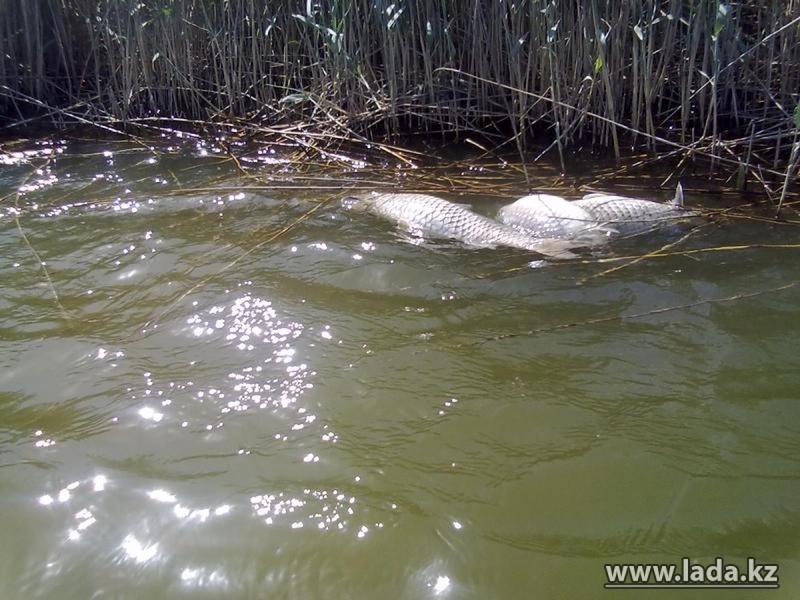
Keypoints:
pixel 218 405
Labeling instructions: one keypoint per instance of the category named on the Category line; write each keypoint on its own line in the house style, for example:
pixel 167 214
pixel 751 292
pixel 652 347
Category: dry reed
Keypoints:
pixel 715 79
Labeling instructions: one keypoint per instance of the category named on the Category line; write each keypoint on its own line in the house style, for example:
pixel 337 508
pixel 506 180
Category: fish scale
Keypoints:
pixel 544 215
pixel 435 217
pixel 630 216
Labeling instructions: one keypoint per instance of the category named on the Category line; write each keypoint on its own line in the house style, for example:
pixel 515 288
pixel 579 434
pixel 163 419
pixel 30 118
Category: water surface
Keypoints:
pixel 199 401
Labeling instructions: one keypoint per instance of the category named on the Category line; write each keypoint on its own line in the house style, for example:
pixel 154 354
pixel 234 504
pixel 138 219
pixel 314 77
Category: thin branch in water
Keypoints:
pixel 35 253
pixel 640 315
pixel 639 259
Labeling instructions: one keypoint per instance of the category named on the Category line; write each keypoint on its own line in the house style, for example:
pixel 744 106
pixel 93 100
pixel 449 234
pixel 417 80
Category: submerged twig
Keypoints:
pixel 639 259
pixel 655 311
pixel 33 250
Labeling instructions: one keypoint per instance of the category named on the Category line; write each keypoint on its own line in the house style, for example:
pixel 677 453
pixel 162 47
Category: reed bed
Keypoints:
pixel 678 77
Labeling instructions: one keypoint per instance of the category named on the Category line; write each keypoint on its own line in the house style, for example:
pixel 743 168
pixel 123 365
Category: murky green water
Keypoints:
pixel 193 407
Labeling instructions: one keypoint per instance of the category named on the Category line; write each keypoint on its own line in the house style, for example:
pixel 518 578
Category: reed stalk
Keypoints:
pixel 716 77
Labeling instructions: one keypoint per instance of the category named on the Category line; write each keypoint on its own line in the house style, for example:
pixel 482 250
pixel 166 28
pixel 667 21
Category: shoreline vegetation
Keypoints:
pixel 677 79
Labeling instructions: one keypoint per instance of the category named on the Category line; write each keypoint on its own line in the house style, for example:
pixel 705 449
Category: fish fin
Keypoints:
pixel 607 230
pixel 554 248
pixel 678 199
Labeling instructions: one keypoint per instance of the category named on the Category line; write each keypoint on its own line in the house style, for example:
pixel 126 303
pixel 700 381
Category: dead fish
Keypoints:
pixel 434 217
pixel 632 216
pixel 545 215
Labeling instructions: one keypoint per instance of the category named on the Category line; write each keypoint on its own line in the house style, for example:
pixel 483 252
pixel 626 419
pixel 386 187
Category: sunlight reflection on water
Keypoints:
pixel 326 412
pixel 252 325
pixel 273 378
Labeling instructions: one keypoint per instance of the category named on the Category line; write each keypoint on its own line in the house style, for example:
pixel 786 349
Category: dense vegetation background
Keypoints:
pixel 703 76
